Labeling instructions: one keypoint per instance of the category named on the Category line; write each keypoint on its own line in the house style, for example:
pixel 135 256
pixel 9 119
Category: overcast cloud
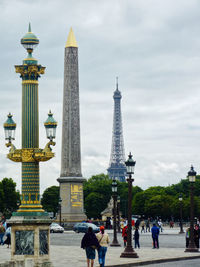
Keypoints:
pixel 152 45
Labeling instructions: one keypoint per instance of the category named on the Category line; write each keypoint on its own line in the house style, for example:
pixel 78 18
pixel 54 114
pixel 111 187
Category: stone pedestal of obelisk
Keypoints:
pixel 71 180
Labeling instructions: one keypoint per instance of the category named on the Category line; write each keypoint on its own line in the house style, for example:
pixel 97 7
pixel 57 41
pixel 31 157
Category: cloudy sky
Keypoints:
pixel 153 46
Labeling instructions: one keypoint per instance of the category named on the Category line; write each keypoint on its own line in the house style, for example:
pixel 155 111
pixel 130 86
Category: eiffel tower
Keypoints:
pixel 117 166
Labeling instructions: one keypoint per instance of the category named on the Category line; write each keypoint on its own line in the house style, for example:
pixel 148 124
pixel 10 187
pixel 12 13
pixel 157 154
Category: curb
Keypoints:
pixel 154 261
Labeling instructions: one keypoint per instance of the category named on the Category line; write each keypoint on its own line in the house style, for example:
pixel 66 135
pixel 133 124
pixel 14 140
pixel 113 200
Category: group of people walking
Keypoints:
pixel 155 230
pixel 92 242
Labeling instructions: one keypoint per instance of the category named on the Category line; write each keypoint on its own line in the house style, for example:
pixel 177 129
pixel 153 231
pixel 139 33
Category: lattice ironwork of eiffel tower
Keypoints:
pixel 117 166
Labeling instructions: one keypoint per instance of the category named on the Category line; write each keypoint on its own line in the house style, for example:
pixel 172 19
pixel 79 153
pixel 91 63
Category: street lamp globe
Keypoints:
pixel 50 126
pixel 29 41
pixel 180 198
pixel 9 127
pixel 192 175
pixel 130 164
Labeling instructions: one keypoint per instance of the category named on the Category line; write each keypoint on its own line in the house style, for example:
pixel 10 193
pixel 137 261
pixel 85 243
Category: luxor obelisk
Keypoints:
pixel 71 180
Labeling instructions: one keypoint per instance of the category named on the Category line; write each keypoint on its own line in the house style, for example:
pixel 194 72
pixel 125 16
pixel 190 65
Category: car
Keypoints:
pixel 83 227
pixel 56 228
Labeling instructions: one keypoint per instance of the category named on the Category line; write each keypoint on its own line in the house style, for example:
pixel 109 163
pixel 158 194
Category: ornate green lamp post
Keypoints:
pixel 30 214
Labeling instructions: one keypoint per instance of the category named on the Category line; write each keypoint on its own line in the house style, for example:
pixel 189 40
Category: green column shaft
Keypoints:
pixel 30 140
pixel 30 123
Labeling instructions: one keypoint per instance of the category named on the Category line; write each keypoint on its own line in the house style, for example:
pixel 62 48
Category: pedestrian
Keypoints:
pixel 8 237
pixel 136 237
pixel 124 234
pixel 187 236
pixel 196 235
pixel 142 224
pixel 155 234
pixel 2 232
pixel 171 224
pixel 90 243
pixel 160 225
pixel 148 225
pixel 103 240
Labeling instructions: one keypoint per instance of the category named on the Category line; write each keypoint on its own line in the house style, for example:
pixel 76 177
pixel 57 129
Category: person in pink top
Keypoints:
pixel 103 239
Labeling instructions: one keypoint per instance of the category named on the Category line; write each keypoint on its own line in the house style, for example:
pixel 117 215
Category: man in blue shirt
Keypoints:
pixel 155 233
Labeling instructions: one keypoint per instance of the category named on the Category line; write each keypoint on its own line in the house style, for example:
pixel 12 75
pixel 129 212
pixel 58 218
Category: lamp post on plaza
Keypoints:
pixel 181 214
pixel 129 251
pixel 192 177
pixel 114 195
pixel 60 202
pixel 118 214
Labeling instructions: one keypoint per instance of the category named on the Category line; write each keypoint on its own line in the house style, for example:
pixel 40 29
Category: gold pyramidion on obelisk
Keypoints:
pixel 71 40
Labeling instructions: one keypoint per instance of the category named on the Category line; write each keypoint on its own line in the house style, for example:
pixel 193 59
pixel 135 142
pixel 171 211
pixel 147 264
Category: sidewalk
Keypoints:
pixel 74 256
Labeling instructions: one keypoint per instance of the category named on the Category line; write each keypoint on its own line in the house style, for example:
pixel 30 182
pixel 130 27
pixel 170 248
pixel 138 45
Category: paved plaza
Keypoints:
pixel 74 256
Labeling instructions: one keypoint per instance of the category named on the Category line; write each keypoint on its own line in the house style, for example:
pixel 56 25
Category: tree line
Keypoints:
pixel 156 201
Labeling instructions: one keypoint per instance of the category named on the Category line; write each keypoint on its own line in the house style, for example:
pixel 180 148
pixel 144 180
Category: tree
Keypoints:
pixel 8 196
pixel 50 199
pixel 97 194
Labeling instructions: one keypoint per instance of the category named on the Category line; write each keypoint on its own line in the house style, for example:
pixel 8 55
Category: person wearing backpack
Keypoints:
pixel 90 243
pixel 103 239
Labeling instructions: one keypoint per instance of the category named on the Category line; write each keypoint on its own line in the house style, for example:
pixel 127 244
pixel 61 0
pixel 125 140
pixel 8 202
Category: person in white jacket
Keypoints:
pixel 103 239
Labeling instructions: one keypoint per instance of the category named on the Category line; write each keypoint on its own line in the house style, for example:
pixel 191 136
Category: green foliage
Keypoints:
pixel 164 201
pixel 8 196
pixel 98 192
pixel 50 199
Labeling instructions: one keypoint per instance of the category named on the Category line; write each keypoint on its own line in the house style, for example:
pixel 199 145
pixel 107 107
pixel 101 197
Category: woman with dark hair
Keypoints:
pixel 89 243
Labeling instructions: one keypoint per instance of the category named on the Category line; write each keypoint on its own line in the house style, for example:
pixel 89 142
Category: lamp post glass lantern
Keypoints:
pixel 191 177
pixel 181 214
pixel 114 195
pixel 9 128
pixel 129 251
pixel 50 126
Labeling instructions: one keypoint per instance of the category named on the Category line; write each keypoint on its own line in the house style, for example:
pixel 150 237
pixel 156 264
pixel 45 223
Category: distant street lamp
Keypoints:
pixel 192 177
pixel 114 195
pixel 60 201
pixel 181 214
pixel 129 251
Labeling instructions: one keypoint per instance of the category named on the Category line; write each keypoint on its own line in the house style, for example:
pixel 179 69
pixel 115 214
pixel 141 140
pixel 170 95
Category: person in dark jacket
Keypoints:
pixel 196 235
pixel 89 243
pixel 155 233
pixel 136 238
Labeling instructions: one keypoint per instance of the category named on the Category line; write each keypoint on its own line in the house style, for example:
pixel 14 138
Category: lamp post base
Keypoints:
pixel 181 232
pixel 129 253
pixel 191 250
